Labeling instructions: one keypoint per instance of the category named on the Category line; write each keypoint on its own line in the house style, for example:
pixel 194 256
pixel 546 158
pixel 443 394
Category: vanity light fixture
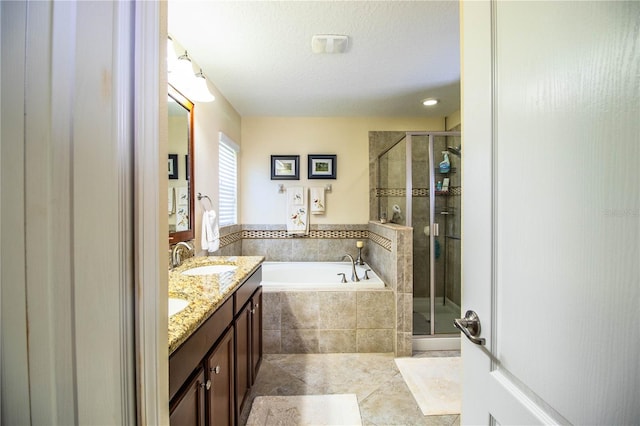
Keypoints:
pixel 200 90
pixel 181 76
pixel 429 102
pixel 182 73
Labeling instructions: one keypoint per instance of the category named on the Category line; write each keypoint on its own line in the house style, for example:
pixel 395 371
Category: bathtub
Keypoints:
pixel 315 276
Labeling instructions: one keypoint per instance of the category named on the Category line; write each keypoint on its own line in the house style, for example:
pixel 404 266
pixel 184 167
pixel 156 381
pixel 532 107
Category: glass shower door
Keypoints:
pixel 435 217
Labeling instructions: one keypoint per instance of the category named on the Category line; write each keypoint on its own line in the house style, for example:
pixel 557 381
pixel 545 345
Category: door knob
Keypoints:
pixel 470 327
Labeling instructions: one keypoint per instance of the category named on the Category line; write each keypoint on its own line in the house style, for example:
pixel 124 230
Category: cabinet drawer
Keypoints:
pixel 244 293
pixel 186 358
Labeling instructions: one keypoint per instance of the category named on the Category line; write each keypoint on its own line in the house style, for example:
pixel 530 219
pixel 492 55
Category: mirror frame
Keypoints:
pixel 187 235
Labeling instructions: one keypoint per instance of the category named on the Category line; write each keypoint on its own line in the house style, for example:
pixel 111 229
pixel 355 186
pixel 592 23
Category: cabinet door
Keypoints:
pixel 220 370
pixel 256 334
pixel 187 408
pixel 243 356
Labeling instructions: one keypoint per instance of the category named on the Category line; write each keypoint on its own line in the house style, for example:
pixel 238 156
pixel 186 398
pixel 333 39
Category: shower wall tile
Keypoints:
pixel 376 309
pixel 300 341
pixel 337 341
pixel 300 310
pixel 337 310
pixel 271 311
pixel 404 344
pixel 271 341
pixel 372 340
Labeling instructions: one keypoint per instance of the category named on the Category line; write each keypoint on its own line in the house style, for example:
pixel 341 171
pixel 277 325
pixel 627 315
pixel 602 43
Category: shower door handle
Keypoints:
pixel 470 327
pixel 436 229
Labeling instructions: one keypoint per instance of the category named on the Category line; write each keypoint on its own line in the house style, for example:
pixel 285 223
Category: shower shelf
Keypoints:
pixel 451 170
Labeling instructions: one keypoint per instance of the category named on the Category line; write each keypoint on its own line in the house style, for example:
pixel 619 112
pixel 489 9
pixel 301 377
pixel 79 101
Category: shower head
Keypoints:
pixel 454 150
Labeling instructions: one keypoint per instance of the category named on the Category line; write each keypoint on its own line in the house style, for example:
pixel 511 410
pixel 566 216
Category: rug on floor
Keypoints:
pixel 305 410
pixel 436 383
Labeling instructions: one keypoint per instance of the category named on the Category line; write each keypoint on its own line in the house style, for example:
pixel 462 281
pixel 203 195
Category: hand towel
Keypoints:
pixel 295 195
pixel 317 200
pixel 210 238
pixel 172 200
pixel 297 211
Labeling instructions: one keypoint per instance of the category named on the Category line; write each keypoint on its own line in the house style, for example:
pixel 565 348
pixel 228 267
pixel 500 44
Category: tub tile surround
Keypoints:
pixel 289 320
pixel 328 321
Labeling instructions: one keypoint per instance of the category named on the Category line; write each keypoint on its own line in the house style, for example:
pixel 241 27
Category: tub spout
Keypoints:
pixel 354 274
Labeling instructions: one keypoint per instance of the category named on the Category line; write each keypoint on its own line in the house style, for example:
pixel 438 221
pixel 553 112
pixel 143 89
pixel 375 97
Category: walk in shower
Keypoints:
pixel 413 190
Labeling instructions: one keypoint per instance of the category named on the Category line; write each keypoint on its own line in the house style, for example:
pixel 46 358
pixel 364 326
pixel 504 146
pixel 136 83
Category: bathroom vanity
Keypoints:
pixel 215 342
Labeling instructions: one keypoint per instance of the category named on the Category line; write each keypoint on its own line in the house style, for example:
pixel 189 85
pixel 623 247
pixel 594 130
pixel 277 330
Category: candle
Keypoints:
pixel 359 244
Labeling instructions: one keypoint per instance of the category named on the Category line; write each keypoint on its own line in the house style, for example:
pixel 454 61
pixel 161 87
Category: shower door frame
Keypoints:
pixel 409 221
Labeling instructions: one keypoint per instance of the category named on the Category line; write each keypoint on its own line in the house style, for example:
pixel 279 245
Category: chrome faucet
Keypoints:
pixel 354 274
pixel 176 259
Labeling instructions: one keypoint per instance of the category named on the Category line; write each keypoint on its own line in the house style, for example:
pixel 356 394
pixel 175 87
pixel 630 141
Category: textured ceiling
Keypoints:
pixel 259 56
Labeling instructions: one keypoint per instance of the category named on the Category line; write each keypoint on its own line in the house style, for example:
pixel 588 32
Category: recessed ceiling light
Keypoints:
pixel 429 102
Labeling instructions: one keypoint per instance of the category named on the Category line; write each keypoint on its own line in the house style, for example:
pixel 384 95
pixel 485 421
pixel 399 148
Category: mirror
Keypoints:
pixel 180 167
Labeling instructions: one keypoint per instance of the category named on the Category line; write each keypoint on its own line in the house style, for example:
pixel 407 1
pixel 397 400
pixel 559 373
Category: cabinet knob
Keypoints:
pixel 253 311
pixel 207 386
pixel 215 369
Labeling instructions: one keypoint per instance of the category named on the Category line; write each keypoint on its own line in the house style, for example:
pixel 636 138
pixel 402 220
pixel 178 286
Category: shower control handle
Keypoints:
pixel 470 327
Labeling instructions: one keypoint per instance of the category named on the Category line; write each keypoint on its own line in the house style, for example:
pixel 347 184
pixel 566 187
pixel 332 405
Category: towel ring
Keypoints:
pixel 200 197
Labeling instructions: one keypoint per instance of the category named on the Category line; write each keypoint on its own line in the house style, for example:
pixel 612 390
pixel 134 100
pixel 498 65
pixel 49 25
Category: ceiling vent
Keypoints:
pixel 329 43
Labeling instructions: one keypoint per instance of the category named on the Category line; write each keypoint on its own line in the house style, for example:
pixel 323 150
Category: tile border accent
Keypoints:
pixel 383 242
pixel 324 234
pixel 228 239
pixel 249 234
pixel 415 192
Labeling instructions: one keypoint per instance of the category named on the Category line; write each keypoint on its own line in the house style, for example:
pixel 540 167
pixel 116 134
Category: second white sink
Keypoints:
pixel 210 270
pixel 177 305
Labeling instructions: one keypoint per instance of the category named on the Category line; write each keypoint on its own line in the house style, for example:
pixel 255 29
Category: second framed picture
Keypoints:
pixel 322 166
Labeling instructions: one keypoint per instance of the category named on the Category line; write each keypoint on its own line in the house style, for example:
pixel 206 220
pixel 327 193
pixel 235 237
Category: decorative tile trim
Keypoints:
pixel 415 192
pixel 383 242
pixel 313 234
pixel 319 234
pixel 228 239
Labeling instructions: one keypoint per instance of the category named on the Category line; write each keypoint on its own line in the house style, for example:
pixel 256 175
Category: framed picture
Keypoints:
pixel 173 166
pixel 285 167
pixel 322 166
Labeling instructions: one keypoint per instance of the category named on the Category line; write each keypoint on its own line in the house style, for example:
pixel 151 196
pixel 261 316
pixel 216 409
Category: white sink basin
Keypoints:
pixel 177 305
pixel 210 270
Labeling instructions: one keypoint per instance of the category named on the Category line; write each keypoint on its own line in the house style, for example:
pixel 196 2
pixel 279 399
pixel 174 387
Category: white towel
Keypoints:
pixel 317 200
pixel 297 211
pixel 172 200
pixel 210 239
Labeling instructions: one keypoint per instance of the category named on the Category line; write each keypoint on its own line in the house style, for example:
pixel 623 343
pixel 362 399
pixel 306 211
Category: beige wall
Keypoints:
pixel 347 137
pixel 453 120
pixel 210 119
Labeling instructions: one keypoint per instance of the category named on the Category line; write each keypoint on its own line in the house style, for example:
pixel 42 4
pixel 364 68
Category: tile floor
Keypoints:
pixel 383 396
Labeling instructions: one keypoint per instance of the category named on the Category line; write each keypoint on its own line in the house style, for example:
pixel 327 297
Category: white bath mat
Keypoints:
pixel 305 410
pixel 436 383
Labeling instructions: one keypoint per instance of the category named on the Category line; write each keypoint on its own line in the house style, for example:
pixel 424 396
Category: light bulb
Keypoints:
pixel 200 90
pixel 182 74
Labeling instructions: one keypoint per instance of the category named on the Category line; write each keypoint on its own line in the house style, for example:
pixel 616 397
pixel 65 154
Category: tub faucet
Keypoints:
pixel 176 258
pixel 354 274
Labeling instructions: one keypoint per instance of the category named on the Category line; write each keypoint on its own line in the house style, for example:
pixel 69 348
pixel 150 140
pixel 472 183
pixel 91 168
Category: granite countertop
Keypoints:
pixel 205 293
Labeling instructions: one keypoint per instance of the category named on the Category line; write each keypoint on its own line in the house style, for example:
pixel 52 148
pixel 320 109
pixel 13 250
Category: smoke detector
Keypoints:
pixel 329 43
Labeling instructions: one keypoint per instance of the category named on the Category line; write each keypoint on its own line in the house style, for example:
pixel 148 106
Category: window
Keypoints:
pixel 228 175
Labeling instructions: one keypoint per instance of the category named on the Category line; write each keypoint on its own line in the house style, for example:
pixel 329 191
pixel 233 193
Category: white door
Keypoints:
pixel 551 148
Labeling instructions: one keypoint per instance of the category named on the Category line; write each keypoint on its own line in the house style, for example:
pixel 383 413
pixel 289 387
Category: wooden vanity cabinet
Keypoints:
pixel 212 372
pixel 188 408
pixel 256 334
pixel 220 369
pixel 248 327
